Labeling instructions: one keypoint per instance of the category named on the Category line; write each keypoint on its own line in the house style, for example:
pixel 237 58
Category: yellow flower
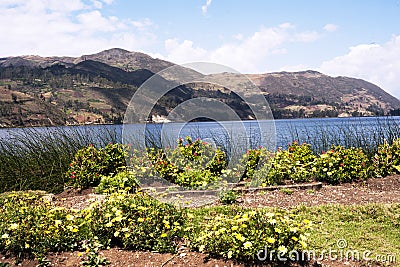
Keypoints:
pixel 116 234
pixel 140 220
pixel 277 230
pixel 201 248
pixel 27 245
pixel 118 219
pixel 13 226
pixel 295 238
pixel 240 237
pixel 127 235
pixel 109 224
pixel 70 217
pixel 80 254
pixel 282 249
pixel 118 213
pixel 303 244
pixel 234 228
pixel 74 230
pixel 164 235
pixel 5 236
pixel 230 254
pixel 247 245
pixel 271 240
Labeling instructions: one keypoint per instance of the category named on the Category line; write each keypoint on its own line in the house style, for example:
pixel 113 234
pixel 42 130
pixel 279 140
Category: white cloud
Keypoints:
pixel 286 25
pixel 247 53
pixel 74 27
pixel 238 36
pixel 377 63
pixel 183 52
pixel 306 37
pixel 204 8
pixel 142 24
pixel 330 27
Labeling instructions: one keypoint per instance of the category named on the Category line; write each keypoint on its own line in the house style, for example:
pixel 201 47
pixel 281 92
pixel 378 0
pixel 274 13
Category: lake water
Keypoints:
pixel 320 132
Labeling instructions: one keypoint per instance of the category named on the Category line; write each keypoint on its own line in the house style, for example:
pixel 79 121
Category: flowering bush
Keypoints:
pixel 29 225
pixel 340 165
pixel 90 163
pixel 125 180
pixel 253 160
pixel 293 164
pixel 387 159
pixel 192 164
pixel 137 221
pixel 244 235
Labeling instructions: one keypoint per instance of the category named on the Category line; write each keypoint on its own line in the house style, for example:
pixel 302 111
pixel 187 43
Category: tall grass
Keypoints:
pixel 37 158
pixel 367 134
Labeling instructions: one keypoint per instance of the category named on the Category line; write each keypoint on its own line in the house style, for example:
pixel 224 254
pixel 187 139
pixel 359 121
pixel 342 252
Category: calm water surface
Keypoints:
pixel 270 134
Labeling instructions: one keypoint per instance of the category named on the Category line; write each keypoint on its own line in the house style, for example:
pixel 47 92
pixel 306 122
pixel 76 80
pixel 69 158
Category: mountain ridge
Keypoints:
pixel 97 88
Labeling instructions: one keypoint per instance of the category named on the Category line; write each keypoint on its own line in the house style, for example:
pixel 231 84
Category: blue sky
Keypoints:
pixel 349 38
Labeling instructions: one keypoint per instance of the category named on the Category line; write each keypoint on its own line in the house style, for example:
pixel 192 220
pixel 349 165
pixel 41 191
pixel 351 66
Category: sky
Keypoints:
pixel 355 38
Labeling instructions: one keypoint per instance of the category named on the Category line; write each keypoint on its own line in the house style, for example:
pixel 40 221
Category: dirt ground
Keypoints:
pixel 378 190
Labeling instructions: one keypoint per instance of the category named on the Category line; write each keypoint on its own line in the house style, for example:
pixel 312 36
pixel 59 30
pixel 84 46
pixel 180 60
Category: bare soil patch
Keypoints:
pixel 377 190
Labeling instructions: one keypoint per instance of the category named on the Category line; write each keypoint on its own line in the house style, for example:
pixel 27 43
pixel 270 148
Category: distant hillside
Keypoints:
pixel 97 88
pixel 313 94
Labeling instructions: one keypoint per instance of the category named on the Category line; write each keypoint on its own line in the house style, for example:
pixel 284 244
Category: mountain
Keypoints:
pixel 313 94
pixel 97 88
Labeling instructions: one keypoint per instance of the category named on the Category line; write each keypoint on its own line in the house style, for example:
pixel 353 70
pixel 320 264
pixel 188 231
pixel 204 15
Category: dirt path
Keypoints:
pixel 378 190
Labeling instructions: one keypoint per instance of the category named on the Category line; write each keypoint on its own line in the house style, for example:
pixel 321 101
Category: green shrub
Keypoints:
pixel 243 235
pixel 228 196
pixel 196 178
pixel 387 159
pixel 125 180
pixel 90 163
pixel 30 226
pixel 340 165
pixel 193 164
pixel 293 164
pixel 137 221
pixel 253 160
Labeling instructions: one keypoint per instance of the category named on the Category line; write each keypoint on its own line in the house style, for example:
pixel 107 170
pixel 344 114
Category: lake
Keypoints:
pixel 320 132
